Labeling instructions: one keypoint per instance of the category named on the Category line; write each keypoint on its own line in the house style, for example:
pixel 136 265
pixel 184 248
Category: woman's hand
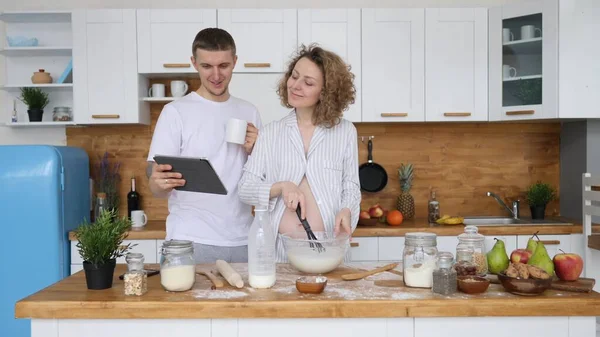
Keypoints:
pixel 342 222
pixel 292 196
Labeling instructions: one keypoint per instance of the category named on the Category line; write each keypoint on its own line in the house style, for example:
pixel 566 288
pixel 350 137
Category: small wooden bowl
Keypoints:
pixel 311 284
pixel 524 287
pixel 473 284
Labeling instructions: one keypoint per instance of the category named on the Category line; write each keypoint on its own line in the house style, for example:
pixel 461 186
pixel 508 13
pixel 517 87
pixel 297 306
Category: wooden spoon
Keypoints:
pixel 358 276
pixel 218 283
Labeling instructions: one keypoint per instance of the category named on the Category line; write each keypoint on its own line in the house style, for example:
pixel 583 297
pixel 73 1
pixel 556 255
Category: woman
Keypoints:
pixel 309 158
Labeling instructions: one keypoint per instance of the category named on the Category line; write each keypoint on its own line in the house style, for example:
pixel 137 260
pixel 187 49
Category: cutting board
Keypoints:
pixel 583 285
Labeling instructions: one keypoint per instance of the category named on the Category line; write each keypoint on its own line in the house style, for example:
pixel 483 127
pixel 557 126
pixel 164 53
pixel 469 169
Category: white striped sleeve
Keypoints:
pixel 351 195
pixel 255 187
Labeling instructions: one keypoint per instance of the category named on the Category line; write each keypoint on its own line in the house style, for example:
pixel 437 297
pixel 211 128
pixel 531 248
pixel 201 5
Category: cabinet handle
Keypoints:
pixel 353 244
pixel 457 114
pixel 550 242
pixel 106 116
pixel 394 114
pixel 520 112
pixel 176 65
pixel 257 65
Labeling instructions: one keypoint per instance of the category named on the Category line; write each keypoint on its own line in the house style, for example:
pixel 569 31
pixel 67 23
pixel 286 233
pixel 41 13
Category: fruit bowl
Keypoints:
pixel 303 255
pixel 524 287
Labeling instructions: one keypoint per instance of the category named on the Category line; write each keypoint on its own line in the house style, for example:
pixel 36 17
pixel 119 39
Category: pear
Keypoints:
pixel 540 258
pixel 497 258
pixel 531 243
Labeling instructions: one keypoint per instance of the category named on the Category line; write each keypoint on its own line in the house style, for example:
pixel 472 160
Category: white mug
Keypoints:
pixel 506 71
pixel 528 32
pixel 138 218
pixel 236 131
pixel 178 88
pixel 507 35
pixel 157 90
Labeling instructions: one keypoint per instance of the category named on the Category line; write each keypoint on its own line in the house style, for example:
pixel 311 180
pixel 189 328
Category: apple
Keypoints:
pixel 520 255
pixel 568 266
pixel 364 215
pixel 375 211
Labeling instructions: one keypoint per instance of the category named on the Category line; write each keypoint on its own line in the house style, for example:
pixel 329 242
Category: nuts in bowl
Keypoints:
pixel 524 279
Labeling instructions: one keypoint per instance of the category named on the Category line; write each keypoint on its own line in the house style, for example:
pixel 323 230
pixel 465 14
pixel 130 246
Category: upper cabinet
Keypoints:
pixel 265 38
pixel 393 70
pixel 104 59
pixel 456 64
pixel 337 30
pixel 165 38
pixel 523 61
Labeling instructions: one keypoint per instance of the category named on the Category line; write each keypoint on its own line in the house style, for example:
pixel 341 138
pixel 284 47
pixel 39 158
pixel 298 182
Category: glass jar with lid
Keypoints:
pixel 475 241
pixel 464 265
pixel 61 114
pixel 444 276
pixel 419 259
pixel 135 280
pixel 177 265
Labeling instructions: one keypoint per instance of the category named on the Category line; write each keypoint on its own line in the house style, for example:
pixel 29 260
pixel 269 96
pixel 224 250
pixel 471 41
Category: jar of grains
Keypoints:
pixel 135 280
pixel 444 276
pixel 475 241
pixel 464 265
pixel 419 259
pixel 177 265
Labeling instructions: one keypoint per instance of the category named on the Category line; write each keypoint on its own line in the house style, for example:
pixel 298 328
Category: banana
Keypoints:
pixel 448 220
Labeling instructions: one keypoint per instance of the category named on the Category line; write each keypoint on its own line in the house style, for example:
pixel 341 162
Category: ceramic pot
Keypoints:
pixel 99 277
pixel 537 212
pixel 41 77
pixel 35 115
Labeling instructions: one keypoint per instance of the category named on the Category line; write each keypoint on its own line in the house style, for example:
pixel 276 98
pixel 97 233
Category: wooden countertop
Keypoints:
pixel 155 229
pixel 70 299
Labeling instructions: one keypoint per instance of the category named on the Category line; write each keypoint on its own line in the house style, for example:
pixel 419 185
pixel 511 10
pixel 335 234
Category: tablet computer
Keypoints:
pixel 198 173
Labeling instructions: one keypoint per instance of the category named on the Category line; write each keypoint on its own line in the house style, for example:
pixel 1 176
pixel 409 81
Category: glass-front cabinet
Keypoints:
pixel 523 61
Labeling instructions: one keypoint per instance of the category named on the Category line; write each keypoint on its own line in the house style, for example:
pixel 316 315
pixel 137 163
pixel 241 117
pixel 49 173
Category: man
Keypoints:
pixel 194 126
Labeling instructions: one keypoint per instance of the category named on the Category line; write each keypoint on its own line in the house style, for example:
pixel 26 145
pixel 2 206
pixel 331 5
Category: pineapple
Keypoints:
pixel 406 203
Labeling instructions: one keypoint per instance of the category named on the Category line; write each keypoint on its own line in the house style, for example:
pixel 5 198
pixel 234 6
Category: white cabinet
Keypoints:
pixel 523 61
pixel 104 60
pixel 337 30
pixel 393 70
pixel 364 249
pixel 265 38
pixel 165 38
pixel 456 64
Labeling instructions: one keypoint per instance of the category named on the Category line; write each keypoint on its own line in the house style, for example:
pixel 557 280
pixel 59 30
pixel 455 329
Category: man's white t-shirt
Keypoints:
pixel 193 126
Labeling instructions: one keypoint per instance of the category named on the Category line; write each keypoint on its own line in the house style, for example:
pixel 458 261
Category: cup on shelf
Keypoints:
pixel 508 71
pixel 157 90
pixel 507 35
pixel 528 32
pixel 178 88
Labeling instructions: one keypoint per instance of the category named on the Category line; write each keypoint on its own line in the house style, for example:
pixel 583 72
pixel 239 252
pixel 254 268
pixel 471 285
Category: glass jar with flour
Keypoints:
pixel 177 265
pixel 419 259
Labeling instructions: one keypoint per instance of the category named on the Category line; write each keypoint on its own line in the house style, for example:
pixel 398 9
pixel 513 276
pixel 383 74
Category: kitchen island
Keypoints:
pixel 378 305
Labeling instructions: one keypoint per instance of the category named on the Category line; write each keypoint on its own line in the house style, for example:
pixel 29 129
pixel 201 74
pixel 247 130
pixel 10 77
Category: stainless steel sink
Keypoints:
pixel 508 221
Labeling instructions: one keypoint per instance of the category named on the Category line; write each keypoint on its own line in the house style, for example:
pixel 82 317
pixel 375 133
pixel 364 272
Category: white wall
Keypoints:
pixel 56 135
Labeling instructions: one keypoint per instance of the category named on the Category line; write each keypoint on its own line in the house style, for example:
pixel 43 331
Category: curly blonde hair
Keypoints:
pixel 338 85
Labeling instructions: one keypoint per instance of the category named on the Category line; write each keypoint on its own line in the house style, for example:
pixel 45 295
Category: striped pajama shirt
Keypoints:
pixel 330 166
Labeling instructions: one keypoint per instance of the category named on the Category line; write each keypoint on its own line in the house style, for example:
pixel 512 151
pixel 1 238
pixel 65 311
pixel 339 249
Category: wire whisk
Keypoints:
pixel 309 232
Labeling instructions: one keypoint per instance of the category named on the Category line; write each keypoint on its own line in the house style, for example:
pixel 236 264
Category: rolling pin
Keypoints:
pixel 229 274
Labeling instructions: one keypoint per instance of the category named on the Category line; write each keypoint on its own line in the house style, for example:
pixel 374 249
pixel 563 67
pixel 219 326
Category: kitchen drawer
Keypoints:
pixel 552 242
pixel 146 247
pixel 391 248
pixel 364 249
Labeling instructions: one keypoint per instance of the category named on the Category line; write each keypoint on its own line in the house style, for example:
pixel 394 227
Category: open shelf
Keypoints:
pixel 39 124
pixel 37 51
pixel 158 99
pixel 54 86
pixel 35 16
pixel 531 77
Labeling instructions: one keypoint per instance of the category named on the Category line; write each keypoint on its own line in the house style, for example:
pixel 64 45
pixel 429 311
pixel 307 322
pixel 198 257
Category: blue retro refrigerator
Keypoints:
pixel 44 193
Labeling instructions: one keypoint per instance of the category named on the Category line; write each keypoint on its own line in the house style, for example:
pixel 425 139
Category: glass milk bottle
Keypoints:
pixel 261 251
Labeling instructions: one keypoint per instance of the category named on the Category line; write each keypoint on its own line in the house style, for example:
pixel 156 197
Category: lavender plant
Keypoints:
pixel 107 180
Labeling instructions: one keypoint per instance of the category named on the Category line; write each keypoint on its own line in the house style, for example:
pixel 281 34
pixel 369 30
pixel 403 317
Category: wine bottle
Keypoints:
pixel 133 199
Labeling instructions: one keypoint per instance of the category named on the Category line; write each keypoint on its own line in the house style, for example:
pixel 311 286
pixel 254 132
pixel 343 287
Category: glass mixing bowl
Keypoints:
pixel 304 255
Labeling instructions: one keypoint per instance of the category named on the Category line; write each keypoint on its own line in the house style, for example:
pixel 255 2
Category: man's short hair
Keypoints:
pixel 213 39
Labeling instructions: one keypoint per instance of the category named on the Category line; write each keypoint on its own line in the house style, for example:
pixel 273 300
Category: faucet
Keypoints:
pixel 515 205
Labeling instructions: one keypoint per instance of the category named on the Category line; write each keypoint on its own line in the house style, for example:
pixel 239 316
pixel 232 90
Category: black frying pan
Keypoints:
pixel 373 177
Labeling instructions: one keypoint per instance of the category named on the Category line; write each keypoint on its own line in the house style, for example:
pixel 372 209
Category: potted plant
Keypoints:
pixel 100 244
pixel 538 196
pixel 36 100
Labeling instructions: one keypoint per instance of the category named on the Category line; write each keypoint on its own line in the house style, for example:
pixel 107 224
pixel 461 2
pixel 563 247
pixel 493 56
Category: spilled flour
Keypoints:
pixel 217 294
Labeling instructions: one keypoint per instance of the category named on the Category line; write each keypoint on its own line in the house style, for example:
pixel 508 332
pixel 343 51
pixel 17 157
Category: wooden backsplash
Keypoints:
pixel 460 161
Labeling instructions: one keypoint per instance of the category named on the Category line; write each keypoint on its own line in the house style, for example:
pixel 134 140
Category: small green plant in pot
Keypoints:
pixel 36 100
pixel 100 244
pixel 538 196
